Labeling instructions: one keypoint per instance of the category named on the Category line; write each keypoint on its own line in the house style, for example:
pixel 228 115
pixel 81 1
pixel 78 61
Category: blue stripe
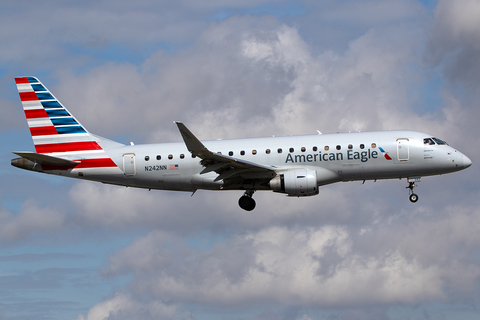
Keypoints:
pixel 381 149
pixel 51 104
pixel 38 87
pixel 65 130
pixel 63 121
pixel 32 80
pixel 44 96
pixel 57 113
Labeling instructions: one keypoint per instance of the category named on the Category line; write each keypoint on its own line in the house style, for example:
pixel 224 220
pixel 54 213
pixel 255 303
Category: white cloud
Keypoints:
pixel 247 76
pixel 122 306
pixel 30 220
pixel 330 266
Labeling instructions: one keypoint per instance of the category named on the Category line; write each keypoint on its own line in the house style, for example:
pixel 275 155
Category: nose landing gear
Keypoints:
pixel 246 201
pixel 411 184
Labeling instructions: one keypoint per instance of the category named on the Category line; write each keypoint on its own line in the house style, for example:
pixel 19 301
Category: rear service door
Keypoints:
pixel 129 164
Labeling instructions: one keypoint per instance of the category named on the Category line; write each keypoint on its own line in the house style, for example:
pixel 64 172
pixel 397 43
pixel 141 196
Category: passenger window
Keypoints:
pixel 254 152
pixel 326 148
pixel 291 150
pixel 315 149
pixel 267 151
pixel 362 146
pixel 230 153
pixel 219 152
pixel 339 147
pixel 170 156
pixel 374 145
pixel 350 147
pixel 303 149
pixel 194 156
pixel 279 150
pixel 242 153
pixel 182 156
pixel 159 157
pixel 147 158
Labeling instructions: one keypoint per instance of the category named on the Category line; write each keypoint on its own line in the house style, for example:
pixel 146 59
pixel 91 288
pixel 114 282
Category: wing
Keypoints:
pixel 231 170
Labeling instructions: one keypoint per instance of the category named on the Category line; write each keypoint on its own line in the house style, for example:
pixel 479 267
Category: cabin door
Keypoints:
pixel 403 149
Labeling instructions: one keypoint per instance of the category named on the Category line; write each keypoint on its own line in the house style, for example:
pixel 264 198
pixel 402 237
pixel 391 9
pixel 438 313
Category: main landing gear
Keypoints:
pixel 411 184
pixel 246 201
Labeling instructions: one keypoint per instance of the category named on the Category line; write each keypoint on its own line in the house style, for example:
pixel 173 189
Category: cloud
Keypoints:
pixel 327 267
pixel 122 306
pixel 249 76
pixel 456 40
pixel 30 220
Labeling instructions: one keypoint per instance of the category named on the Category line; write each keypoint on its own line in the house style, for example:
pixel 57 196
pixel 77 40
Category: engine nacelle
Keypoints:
pixel 297 183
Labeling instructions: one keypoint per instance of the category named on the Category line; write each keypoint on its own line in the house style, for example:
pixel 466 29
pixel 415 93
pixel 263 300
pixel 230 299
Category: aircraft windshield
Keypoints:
pixel 428 141
pixel 439 142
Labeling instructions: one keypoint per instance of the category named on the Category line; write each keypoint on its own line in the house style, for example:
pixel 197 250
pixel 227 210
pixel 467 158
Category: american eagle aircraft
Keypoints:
pixel 295 165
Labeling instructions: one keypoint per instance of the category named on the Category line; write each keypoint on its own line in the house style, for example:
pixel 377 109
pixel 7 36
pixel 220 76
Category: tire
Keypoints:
pixel 246 203
pixel 413 198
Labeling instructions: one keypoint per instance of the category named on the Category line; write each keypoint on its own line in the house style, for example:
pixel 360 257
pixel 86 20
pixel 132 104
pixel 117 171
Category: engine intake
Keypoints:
pixel 297 183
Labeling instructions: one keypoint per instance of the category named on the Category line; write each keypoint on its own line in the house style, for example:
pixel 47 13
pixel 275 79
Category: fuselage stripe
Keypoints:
pixel 96 163
pixel 84 164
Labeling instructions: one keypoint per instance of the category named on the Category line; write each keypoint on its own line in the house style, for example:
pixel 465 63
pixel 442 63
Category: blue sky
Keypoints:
pixel 79 250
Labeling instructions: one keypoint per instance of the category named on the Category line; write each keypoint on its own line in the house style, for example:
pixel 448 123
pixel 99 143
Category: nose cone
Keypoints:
pixel 466 162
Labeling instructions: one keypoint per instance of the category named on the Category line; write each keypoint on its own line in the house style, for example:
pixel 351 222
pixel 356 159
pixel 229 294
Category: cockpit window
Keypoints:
pixel 440 142
pixel 428 141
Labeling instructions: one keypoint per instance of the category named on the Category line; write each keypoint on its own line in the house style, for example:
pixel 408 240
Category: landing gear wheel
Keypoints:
pixel 246 203
pixel 413 198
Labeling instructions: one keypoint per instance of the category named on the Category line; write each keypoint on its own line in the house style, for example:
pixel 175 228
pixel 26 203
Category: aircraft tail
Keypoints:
pixel 55 131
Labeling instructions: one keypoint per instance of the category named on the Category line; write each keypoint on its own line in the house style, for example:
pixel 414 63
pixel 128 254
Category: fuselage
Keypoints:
pixel 335 157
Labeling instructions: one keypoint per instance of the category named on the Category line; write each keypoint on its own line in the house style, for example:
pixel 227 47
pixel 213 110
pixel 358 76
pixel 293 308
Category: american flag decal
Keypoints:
pixel 174 167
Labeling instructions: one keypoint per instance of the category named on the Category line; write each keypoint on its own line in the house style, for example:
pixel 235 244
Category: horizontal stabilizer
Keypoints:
pixel 47 160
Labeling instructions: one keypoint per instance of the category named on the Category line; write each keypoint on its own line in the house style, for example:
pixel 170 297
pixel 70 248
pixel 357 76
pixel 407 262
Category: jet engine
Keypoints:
pixel 296 183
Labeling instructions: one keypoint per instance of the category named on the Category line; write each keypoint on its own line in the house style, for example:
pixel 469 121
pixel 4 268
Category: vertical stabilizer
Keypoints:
pixel 54 130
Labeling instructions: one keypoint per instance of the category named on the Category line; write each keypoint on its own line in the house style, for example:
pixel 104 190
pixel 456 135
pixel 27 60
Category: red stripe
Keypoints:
pixel 43 131
pixel 86 163
pixel 28 96
pixel 36 113
pixel 21 80
pixel 66 147
pixel 96 163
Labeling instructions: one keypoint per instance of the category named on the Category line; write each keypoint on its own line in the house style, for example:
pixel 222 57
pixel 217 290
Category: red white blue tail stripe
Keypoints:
pixel 55 131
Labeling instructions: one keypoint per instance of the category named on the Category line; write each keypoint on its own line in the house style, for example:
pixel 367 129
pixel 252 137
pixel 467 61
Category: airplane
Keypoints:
pixel 293 165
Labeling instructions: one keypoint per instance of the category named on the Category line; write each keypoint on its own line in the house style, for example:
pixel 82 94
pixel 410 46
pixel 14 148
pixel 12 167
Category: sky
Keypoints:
pixel 79 250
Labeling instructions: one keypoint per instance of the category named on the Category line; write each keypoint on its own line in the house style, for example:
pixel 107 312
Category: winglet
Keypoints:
pixel 193 144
